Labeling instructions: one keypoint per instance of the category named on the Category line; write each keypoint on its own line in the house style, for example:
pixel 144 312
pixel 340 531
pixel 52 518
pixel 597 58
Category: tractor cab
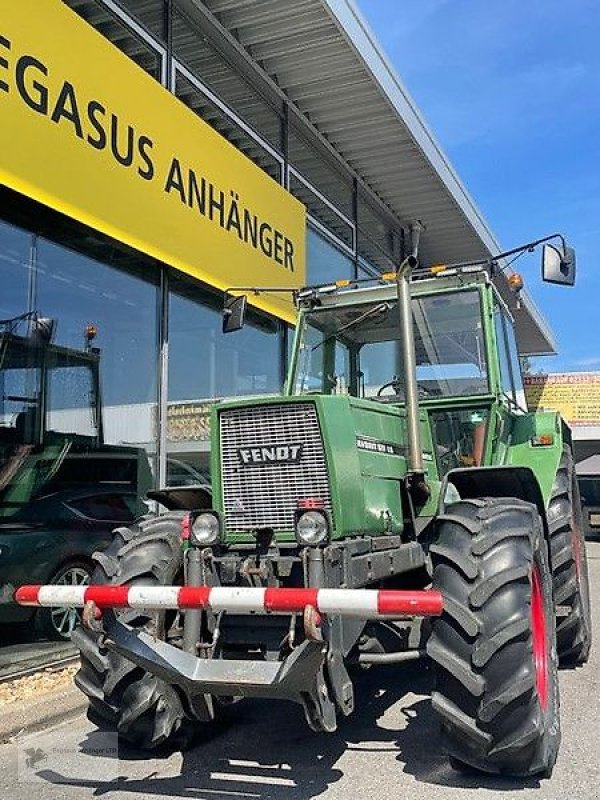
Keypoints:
pixel 466 360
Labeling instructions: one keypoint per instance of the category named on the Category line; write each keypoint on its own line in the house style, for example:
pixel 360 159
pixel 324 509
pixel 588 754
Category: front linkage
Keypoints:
pixel 298 677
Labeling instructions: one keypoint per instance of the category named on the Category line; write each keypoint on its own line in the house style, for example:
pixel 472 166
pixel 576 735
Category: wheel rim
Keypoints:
pixel 540 643
pixel 65 620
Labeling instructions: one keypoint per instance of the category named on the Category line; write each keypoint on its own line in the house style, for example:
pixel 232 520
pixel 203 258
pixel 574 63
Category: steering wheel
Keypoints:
pixel 395 385
pixel 398 388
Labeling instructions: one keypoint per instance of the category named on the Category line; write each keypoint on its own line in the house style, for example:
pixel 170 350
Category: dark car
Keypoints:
pixel 51 540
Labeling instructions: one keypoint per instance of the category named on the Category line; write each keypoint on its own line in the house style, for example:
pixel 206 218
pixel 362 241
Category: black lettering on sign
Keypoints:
pixel 147 171
pixel 196 193
pixel 34 94
pixel 174 180
pixel 66 108
pixel 126 158
pixel 5 43
pixel 94 110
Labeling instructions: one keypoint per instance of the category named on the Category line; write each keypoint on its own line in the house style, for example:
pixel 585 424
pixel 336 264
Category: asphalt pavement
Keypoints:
pixel 390 748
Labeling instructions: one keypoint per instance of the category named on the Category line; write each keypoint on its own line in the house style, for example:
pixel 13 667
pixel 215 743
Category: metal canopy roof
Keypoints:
pixel 324 57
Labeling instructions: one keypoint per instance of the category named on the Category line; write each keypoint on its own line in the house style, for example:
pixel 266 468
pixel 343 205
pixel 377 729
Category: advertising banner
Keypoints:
pixel 86 131
pixel 575 394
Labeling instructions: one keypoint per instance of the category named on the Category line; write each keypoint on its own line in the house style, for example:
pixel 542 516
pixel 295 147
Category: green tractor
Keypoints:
pixel 396 502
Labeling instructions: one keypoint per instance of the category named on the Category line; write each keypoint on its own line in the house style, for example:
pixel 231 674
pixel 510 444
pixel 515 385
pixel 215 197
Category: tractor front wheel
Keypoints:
pixel 494 647
pixel 145 710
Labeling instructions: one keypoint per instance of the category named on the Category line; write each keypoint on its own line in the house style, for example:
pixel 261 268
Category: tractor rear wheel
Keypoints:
pixel 494 647
pixel 569 566
pixel 146 711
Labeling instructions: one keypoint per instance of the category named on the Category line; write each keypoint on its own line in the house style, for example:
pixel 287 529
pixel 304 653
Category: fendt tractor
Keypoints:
pixel 396 502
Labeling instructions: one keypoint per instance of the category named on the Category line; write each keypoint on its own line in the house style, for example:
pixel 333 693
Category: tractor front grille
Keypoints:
pixel 271 457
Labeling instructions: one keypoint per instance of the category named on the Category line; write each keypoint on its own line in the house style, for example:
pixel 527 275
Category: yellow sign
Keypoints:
pixel 575 394
pixel 87 132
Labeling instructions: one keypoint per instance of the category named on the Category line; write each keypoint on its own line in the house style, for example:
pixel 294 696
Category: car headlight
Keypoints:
pixel 205 529
pixel 312 527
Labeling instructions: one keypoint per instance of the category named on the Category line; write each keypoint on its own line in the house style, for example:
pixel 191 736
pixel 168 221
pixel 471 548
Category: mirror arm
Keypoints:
pixel 492 260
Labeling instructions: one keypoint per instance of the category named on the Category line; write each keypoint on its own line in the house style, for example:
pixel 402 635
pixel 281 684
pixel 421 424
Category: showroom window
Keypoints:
pixel 15 253
pixel 106 322
pixel 206 365
pixel 324 261
pixel 111 24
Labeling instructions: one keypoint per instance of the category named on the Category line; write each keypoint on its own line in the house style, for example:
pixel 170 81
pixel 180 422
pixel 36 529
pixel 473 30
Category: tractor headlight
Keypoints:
pixel 312 527
pixel 205 529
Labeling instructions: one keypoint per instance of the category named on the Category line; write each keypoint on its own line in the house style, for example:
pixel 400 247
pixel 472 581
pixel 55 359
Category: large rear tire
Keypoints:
pixel 494 647
pixel 146 711
pixel 569 566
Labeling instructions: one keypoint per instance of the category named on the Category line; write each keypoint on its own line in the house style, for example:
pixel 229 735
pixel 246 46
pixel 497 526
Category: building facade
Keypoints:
pixel 312 123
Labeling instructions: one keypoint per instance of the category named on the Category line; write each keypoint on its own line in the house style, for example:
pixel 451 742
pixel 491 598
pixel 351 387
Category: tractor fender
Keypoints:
pixel 182 498
pixel 507 481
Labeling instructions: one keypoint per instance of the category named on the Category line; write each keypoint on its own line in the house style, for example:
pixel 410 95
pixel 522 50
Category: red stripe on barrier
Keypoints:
pixel 194 596
pixel 107 596
pixel 427 603
pixel 290 599
pixel 27 595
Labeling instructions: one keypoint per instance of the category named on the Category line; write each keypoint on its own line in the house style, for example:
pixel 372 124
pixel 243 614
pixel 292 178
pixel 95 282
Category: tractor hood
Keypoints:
pixel 270 456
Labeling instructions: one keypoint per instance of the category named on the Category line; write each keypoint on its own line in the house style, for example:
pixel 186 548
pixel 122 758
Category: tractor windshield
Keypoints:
pixel 355 348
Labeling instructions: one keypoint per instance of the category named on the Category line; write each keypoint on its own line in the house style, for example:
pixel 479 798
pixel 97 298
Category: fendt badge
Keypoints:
pixel 277 454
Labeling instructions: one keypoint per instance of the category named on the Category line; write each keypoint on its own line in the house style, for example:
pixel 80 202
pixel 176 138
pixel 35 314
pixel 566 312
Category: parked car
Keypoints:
pixel 51 540
pixel 589 489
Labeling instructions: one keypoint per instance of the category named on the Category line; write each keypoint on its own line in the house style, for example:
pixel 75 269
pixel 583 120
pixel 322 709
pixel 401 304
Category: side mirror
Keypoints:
pixel 558 266
pixel 234 313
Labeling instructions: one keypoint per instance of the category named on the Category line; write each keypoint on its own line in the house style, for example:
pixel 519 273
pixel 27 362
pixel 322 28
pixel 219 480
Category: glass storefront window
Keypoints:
pixel 122 36
pixel 106 323
pixel 206 365
pixel 324 262
pixel 15 248
pixel 204 107
pixel 192 46
pixel 150 13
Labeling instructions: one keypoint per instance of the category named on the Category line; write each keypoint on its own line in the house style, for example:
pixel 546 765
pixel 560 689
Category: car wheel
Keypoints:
pixel 59 623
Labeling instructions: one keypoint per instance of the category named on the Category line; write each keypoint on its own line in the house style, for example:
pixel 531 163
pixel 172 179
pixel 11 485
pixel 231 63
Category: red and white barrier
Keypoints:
pixel 361 603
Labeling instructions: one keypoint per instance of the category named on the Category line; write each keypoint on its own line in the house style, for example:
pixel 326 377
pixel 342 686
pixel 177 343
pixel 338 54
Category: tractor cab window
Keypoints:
pixel 459 437
pixel 324 364
pixel 510 367
pixel 356 348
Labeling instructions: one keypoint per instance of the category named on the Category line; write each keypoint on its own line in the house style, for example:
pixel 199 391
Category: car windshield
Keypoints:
pixel 356 350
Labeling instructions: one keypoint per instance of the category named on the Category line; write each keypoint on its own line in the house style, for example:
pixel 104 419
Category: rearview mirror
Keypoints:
pixel 234 313
pixel 558 266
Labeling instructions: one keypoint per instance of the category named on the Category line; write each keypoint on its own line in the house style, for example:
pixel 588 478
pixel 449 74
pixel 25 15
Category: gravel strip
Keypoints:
pixel 32 686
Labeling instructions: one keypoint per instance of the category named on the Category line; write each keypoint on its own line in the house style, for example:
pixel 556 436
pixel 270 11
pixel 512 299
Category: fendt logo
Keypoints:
pixel 276 454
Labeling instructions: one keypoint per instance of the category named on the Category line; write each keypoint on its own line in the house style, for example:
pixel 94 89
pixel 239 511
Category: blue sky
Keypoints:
pixel 511 90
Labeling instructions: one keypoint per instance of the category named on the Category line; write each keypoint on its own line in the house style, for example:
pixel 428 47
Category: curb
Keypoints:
pixel 60 705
